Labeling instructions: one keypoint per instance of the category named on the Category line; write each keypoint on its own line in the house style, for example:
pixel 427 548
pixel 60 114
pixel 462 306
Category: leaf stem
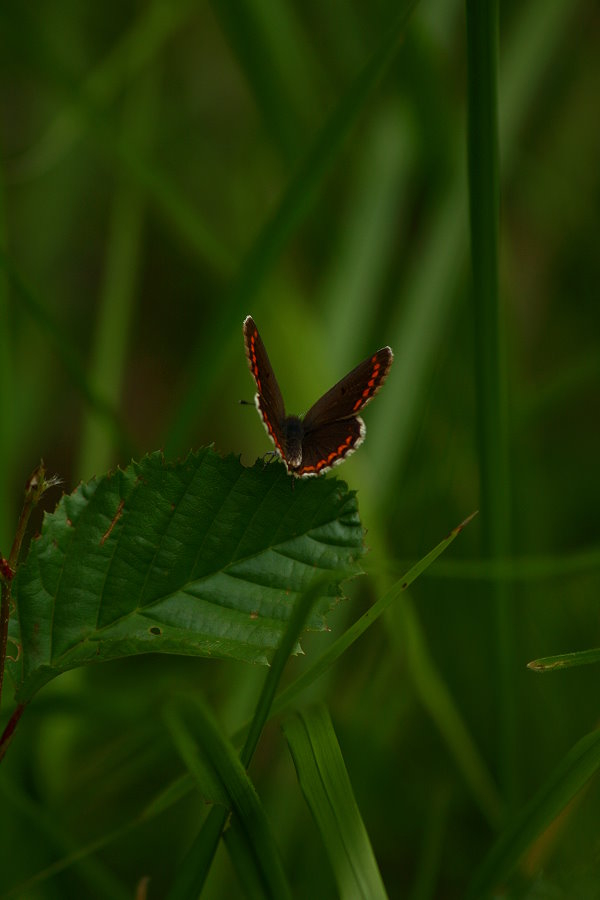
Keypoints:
pixel 10 729
pixel 36 485
pixel 6 575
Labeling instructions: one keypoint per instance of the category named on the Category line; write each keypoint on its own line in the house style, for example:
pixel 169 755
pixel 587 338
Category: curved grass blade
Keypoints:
pixel 328 791
pixel 566 781
pixel 196 865
pixel 205 776
pixel 438 701
pixel 356 630
pixel 233 783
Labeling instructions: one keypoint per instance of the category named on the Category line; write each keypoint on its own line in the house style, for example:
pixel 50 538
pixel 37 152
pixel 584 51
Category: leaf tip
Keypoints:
pixel 457 530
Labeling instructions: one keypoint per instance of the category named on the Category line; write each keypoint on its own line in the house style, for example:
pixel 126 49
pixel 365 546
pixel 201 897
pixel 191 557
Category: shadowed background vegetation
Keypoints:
pixel 168 168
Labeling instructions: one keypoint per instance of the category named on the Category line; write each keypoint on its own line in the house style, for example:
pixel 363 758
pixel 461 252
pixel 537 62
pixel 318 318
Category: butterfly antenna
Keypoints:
pixel 246 403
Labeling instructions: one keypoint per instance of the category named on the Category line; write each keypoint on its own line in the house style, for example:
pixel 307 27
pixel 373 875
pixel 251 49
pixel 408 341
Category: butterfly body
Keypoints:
pixel 293 434
pixel 332 429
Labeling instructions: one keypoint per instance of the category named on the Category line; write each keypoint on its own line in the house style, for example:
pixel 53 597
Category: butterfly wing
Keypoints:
pixel 268 399
pixel 352 393
pixel 330 444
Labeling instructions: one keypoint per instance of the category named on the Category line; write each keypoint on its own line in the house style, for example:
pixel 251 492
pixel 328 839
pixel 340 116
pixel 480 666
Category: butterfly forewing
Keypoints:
pixel 269 401
pixel 352 393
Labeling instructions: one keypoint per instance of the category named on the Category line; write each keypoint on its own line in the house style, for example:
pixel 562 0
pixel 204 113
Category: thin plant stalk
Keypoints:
pixel 484 192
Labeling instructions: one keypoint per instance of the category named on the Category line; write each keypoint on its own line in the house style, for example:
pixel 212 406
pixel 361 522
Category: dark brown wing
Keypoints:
pixel 352 393
pixel 268 399
pixel 328 445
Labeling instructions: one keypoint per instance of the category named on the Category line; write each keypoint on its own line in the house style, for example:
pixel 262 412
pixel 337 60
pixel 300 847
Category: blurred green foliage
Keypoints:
pixel 168 168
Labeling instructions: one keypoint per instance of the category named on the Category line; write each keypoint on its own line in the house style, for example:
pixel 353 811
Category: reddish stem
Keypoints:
pixel 35 487
pixel 10 728
pixel 5 598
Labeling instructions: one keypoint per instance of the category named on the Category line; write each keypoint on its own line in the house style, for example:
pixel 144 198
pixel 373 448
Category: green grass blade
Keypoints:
pixel 490 351
pixel 68 356
pixel 302 609
pixel 431 688
pixel 565 660
pixel 24 35
pixel 78 856
pixel 531 49
pixel 133 52
pixel 371 227
pixel 205 776
pixel 430 685
pixel 117 300
pixel 94 877
pixel 196 865
pixel 240 854
pixel 241 794
pixel 328 791
pixel 566 781
pixel 327 659
pixel 432 851
pixel 289 213
pixel 429 293
pixel 520 569
pixel 417 330
pixel 276 58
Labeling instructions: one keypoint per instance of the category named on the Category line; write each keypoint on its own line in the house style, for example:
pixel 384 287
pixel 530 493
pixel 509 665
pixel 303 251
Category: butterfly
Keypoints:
pixel 331 429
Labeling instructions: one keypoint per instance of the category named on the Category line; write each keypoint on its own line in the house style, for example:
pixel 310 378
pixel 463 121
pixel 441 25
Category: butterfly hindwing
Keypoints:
pixel 330 444
pixel 352 393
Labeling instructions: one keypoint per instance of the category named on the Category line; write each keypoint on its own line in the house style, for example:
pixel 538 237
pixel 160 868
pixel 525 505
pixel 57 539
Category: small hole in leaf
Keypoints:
pixel 155 630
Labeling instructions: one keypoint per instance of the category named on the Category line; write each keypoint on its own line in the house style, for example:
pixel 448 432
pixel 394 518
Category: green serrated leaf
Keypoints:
pixel 201 557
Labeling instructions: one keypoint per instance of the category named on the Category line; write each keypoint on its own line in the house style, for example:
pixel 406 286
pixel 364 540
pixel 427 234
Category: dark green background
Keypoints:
pixel 145 148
